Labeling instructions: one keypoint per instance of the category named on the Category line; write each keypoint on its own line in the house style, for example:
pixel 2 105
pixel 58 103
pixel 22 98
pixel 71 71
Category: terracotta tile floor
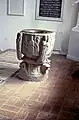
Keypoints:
pixel 55 98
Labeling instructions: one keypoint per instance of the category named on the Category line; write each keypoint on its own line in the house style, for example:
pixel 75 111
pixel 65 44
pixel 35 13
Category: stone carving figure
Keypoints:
pixel 75 2
pixel 34 49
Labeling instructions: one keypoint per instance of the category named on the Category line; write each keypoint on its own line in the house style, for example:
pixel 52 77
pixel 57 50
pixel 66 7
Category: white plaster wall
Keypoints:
pixel 73 50
pixel 10 25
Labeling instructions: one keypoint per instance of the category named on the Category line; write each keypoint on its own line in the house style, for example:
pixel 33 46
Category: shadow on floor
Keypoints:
pixel 55 98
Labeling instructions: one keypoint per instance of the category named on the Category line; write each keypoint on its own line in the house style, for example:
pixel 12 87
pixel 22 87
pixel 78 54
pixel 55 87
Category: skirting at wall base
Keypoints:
pixel 73 58
pixel 63 53
pixel 59 52
pixel 53 52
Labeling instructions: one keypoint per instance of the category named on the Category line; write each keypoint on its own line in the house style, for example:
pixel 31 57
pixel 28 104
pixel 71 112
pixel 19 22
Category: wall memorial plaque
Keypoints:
pixel 49 10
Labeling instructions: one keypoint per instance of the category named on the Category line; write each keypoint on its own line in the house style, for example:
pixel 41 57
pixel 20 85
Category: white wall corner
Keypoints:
pixel 73 58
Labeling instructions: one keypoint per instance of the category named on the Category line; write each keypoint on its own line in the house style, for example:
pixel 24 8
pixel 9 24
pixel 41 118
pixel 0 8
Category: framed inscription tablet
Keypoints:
pixel 49 10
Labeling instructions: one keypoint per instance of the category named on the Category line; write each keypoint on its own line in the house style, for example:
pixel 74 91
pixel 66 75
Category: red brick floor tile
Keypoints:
pixel 34 96
pixel 12 100
pixel 2 101
pixel 76 103
pixel 56 109
pixel 10 108
pixel 20 102
pixel 47 107
pixel 42 97
pixel 68 103
pixel 11 92
pixel 67 115
pixel 4 118
pixel 5 90
pixel 77 87
pixel 33 105
pixel 7 113
pixel 63 118
pixel 30 118
pixel 21 115
pixel 54 99
pixel 74 94
pixel 3 96
pixel 52 118
pixel 32 114
pixel 43 90
pixel 46 116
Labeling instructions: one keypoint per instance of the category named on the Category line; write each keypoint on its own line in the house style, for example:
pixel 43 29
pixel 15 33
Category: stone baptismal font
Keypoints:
pixel 34 47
